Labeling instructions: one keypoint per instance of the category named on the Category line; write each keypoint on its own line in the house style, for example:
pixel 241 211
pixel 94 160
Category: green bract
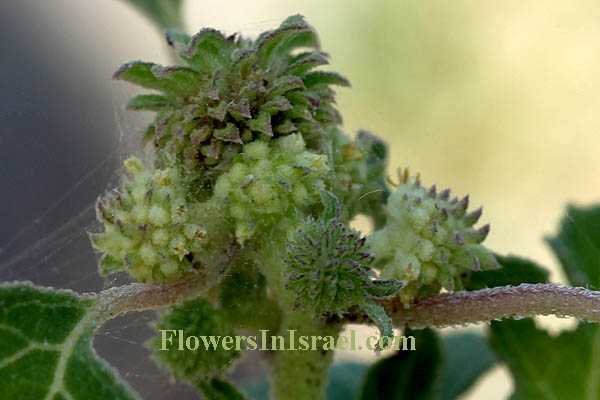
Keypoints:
pixel 149 227
pixel 268 183
pixel 232 91
pixel 329 271
pixel 428 240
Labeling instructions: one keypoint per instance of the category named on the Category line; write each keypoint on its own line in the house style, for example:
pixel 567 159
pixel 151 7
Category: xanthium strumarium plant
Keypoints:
pixel 236 219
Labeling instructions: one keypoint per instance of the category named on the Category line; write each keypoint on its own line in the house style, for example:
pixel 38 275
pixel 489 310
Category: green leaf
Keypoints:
pixel 220 389
pixel 292 32
pixel 324 78
pixel 181 80
pixel 284 84
pixel 331 205
pixel 149 102
pixel 218 112
pixel 408 374
pixel 566 366
pixel 277 103
pixel 109 265
pixel 382 288
pixel 177 38
pixel 149 134
pixel 344 381
pixel 381 320
pixel 164 13
pixel 543 367
pixel 205 50
pixel 304 62
pixel 514 271
pixel 143 74
pixel 467 358
pixel 577 245
pixel 262 123
pixel 45 347
pixel 230 133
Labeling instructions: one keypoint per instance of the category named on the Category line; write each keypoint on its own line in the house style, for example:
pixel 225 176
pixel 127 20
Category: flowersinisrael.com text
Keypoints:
pixel 171 338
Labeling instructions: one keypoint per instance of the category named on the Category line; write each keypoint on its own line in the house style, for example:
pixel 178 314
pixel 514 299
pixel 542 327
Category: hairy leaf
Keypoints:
pixel 45 347
pixel 140 73
pixel 148 102
pixel 381 320
pixel 324 78
pixel 331 205
pixel 205 49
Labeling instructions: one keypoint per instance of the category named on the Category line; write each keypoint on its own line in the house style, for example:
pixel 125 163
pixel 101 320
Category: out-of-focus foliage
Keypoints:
pixel 164 13
pixel 537 360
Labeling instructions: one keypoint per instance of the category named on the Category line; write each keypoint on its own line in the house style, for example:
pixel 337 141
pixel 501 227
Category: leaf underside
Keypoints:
pixel 45 348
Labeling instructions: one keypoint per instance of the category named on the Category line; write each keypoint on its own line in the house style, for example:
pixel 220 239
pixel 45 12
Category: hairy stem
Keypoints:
pixel 140 297
pixel 295 374
pixel 461 308
pixel 115 301
pixel 525 300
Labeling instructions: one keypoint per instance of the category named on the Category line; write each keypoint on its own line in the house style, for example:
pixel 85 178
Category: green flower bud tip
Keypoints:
pixel 268 182
pixel 329 270
pixel 233 90
pixel 148 226
pixel 429 240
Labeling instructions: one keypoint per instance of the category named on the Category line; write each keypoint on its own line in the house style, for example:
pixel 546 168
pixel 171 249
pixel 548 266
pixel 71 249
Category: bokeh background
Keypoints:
pixel 499 100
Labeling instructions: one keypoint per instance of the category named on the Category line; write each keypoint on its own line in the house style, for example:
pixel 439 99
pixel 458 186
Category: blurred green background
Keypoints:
pixel 499 100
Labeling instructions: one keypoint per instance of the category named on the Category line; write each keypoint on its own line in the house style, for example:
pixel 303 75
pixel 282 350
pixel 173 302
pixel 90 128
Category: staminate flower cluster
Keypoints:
pixel 270 184
pixel 150 228
pixel 429 240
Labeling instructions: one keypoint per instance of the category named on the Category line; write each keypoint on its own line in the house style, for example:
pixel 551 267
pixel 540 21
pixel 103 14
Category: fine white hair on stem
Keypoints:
pixel 485 305
pixel 460 308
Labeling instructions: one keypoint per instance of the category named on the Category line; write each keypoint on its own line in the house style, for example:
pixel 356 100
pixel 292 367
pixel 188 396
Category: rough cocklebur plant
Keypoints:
pixel 237 221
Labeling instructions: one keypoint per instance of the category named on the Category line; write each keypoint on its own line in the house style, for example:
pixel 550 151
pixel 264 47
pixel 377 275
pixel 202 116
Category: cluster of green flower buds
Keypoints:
pixel 149 226
pixel 360 173
pixel 233 91
pixel 429 240
pixel 330 270
pixel 269 182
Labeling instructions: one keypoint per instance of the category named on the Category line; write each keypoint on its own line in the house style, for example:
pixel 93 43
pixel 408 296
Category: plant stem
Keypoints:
pixel 462 308
pixel 140 297
pixel 295 374
pixel 302 374
pixel 115 301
